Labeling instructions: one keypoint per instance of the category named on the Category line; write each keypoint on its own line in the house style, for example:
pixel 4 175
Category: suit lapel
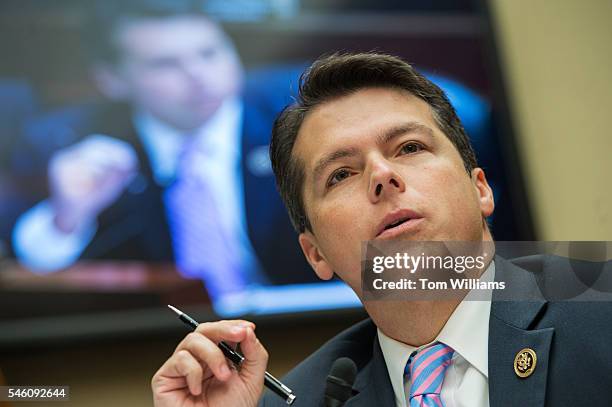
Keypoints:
pixel 372 383
pixel 510 330
pixel 129 218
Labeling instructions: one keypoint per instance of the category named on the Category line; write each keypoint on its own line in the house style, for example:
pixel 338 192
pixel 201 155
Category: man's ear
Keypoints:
pixel 109 81
pixel 485 193
pixel 310 247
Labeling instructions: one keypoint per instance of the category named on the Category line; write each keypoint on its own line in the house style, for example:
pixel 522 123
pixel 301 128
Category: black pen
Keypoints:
pixel 270 381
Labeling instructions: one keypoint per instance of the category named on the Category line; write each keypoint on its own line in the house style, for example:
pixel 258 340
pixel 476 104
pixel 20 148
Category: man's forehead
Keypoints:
pixel 146 35
pixel 364 115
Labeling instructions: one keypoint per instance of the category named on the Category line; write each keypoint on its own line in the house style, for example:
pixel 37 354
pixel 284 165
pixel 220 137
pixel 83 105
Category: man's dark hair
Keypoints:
pixel 107 16
pixel 338 75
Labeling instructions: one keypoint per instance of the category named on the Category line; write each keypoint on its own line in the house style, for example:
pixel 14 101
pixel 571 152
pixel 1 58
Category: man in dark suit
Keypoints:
pixel 373 151
pixel 169 75
pixel 175 92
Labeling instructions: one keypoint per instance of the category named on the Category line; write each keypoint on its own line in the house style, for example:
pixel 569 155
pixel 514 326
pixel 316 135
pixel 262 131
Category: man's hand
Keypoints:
pixel 87 177
pixel 199 375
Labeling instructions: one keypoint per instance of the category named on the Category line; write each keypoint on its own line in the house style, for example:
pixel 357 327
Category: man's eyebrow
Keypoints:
pixel 404 128
pixel 386 137
pixel 330 158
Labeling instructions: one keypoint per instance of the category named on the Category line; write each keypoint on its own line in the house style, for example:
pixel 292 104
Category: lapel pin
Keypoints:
pixel 525 362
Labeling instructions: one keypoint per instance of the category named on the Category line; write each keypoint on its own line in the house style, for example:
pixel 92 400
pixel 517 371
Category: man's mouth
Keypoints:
pixel 398 222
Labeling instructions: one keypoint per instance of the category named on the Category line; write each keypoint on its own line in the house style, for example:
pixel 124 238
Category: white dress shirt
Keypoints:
pixel 221 136
pixel 42 247
pixel 467 332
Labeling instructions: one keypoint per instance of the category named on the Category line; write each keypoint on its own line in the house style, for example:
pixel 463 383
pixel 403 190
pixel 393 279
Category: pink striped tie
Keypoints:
pixel 203 246
pixel 426 370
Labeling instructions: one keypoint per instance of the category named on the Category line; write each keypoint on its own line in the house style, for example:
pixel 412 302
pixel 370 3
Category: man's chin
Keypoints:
pixel 420 236
pixel 196 115
pixel 194 121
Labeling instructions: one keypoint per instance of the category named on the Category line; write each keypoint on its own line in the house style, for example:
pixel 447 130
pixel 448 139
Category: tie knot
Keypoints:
pixel 426 369
pixel 193 159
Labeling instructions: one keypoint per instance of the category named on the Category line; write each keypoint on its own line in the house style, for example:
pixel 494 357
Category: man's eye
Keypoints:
pixel 208 53
pixel 163 63
pixel 410 148
pixel 338 176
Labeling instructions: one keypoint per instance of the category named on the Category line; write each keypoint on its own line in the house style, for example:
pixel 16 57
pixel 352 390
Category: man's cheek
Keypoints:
pixel 340 227
pixel 343 218
pixel 348 267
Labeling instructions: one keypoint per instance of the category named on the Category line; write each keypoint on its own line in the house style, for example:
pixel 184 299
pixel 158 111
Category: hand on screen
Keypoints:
pixel 87 177
pixel 199 375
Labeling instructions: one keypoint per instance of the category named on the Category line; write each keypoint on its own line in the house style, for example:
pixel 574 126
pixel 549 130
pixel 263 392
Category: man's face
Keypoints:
pixel 179 69
pixel 376 158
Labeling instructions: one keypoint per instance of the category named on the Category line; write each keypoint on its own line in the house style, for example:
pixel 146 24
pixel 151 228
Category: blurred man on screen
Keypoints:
pixel 162 170
pixel 369 137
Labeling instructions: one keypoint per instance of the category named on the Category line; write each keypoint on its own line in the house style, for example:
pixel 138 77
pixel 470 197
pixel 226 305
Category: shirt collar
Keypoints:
pixel 466 331
pixel 220 135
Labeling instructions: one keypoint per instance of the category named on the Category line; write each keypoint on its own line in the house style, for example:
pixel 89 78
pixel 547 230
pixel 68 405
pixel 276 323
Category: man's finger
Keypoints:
pixel 181 366
pixel 188 367
pixel 255 357
pixel 206 351
pixel 231 331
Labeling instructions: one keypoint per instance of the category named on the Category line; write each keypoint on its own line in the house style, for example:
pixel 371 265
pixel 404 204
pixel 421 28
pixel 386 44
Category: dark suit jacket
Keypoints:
pixel 18 103
pixel 571 339
pixel 135 226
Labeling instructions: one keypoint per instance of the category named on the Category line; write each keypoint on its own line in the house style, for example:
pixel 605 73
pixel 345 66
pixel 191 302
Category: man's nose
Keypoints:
pixel 195 70
pixel 385 181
